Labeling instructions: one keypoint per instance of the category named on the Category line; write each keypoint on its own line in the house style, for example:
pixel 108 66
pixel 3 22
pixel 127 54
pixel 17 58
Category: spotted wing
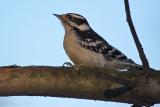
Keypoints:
pixel 92 41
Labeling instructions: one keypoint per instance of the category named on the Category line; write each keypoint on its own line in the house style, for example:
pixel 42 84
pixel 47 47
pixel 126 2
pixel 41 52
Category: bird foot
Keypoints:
pixel 76 67
pixel 68 64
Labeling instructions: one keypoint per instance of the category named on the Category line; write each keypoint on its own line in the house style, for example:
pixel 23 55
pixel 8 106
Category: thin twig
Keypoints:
pixel 136 39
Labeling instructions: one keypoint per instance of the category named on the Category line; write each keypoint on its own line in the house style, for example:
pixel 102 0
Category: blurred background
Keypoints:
pixel 31 35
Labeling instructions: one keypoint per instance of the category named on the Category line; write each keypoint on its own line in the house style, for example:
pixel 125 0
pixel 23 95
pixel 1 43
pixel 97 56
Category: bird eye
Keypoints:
pixel 70 17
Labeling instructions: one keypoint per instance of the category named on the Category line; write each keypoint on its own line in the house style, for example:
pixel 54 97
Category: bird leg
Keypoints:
pixel 79 67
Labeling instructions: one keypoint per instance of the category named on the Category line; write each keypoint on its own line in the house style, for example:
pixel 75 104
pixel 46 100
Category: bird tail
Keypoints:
pixel 132 66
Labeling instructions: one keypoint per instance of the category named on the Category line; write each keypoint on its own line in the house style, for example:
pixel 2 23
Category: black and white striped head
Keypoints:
pixel 74 21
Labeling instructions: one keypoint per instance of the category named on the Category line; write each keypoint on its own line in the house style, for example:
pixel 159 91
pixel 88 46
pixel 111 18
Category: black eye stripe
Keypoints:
pixel 76 20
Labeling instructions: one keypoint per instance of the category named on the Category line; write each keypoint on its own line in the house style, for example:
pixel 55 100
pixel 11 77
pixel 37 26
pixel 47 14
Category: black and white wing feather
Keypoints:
pixel 92 41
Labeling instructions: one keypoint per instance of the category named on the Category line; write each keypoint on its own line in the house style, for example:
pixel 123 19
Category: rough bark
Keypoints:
pixel 84 84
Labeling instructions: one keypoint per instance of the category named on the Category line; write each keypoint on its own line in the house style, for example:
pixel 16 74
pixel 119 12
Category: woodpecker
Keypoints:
pixel 87 48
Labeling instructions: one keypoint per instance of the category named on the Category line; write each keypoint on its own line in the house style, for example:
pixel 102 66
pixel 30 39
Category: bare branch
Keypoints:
pixel 83 84
pixel 136 39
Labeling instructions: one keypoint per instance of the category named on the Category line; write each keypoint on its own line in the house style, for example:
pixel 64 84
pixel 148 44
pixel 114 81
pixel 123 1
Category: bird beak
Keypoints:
pixel 58 16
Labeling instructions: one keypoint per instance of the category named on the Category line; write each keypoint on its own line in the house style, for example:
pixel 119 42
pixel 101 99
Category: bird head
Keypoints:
pixel 73 21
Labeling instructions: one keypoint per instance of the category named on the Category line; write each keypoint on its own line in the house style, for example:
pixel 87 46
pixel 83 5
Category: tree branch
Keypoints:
pixel 84 84
pixel 136 39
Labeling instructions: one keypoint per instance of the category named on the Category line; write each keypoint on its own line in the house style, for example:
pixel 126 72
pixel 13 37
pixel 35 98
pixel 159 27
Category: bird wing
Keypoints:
pixel 92 41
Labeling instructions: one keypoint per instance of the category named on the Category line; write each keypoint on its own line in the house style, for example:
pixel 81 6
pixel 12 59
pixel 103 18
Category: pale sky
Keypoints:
pixel 31 35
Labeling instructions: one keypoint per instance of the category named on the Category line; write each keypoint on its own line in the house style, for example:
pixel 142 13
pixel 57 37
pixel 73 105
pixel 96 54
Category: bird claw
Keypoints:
pixel 68 64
